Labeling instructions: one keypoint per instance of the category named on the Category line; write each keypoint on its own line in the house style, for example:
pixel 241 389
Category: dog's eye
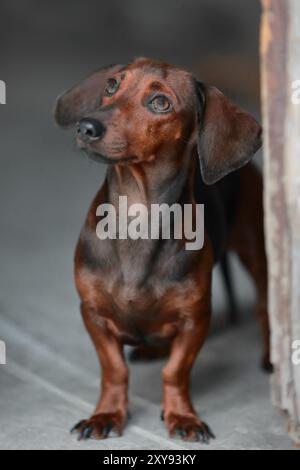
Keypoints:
pixel 112 86
pixel 160 104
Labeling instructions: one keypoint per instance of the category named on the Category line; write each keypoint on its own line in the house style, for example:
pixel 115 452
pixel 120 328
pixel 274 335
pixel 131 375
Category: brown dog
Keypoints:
pixel 167 138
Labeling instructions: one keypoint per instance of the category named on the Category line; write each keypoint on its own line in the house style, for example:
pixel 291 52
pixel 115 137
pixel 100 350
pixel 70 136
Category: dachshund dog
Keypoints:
pixel 166 138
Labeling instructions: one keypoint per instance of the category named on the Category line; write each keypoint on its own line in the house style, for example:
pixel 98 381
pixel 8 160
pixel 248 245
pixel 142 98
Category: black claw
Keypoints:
pixel 204 434
pixel 181 432
pixel 76 427
pixel 206 438
pixel 107 429
pixel 209 432
pixel 162 415
pixel 200 435
pixel 87 432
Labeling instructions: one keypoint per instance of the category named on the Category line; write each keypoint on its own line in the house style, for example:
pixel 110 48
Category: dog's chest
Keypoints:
pixel 133 284
pixel 134 265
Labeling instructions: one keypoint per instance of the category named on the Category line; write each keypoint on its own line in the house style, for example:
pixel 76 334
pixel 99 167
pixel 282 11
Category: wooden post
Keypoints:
pixel 280 65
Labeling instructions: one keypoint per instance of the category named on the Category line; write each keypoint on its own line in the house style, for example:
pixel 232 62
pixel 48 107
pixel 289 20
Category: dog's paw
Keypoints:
pixel 188 427
pixel 100 426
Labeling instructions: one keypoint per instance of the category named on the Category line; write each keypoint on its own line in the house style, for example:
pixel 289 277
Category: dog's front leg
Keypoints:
pixel 178 412
pixel 111 411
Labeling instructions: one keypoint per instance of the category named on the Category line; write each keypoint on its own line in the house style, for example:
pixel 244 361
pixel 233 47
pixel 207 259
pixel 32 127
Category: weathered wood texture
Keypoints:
pixel 280 64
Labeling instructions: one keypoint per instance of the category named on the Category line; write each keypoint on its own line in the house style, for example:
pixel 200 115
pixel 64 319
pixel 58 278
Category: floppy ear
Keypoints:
pixel 83 98
pixel 227 137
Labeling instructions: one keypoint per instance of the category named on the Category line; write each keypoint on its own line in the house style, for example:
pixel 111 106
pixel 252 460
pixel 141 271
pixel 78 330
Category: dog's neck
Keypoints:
pixel 149 183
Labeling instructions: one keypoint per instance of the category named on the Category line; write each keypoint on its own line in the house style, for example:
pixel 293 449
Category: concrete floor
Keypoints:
pixel 50 383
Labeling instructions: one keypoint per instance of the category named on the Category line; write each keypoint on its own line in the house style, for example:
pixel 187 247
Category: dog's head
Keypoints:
pixel 147 111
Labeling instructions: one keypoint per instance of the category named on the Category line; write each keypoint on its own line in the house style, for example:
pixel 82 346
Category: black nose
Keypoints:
pixel 90 129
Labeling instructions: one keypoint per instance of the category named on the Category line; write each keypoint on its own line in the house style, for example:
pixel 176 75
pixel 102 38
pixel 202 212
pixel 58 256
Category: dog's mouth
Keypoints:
pixel 112 160
pixel 108 154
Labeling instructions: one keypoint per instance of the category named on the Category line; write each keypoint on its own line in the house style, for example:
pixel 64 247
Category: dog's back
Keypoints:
pixel 220 206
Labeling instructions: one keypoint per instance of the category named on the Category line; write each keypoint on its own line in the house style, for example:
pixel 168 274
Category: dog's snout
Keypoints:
pixel 90 129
